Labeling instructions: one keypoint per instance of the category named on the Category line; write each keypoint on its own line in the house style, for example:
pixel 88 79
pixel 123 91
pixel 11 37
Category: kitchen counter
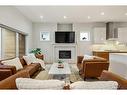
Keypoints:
pixel 105 54
pixel 111 51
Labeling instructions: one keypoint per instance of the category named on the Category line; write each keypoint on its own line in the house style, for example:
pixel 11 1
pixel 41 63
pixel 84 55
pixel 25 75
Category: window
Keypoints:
pixel 21 44
pixel 8 44
pixel 84 36
pixel 12 43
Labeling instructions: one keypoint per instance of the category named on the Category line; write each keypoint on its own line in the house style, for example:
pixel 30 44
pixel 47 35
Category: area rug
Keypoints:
pixel 43 75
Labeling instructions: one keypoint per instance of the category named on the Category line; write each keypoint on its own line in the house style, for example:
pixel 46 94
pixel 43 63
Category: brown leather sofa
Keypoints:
pixel 32 69
pixel 9 83
pixel 91 67
pixel 109 76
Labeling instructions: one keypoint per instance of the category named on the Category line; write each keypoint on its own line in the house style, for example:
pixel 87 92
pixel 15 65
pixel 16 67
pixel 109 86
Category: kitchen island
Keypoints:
pixel 118 64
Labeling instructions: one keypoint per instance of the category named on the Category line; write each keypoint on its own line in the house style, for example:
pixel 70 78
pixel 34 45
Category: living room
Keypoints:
pixel 72 51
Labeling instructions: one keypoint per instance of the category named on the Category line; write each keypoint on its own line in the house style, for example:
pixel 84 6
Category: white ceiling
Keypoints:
pixel 75 14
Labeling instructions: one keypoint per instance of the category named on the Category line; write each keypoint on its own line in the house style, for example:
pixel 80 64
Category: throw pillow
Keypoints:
pixel 94 85
pixel 27 83
pixel 39 61
pixel 32 59
pixel 13 62
pixel 29 58
pixel 88 57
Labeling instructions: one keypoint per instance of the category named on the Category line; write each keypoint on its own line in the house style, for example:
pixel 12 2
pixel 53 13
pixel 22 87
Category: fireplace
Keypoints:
pixel 64 54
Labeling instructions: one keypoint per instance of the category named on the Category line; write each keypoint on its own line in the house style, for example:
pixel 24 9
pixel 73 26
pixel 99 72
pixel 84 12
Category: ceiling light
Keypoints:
pixel 126 14
pixel 88 17
pixel 64 17
pixel 41 17
pixel 102 13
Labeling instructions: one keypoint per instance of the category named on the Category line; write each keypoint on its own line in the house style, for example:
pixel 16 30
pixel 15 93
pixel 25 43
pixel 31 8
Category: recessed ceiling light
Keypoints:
pixel 41 17
pixel 126 14
pixel 64 17
pixel 102 13
pixel 88 17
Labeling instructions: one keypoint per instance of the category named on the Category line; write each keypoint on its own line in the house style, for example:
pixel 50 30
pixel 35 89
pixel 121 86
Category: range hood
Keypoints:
pixel 111 31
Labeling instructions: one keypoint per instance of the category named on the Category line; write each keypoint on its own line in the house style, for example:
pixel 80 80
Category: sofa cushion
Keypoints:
pixel 23 62
pixel 88 57
pixel 9 83
pixel 27 83
pixel 13 62
pixel 94 85
pixel 32 68
pixel 32 59
pixel 39 61
pixel 29 58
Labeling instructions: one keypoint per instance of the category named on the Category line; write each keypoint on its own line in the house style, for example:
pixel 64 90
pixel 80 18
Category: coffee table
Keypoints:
pixel 60 73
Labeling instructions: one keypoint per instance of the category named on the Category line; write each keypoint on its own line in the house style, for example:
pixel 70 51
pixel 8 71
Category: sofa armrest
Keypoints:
pixel 9 83
pixel 79 59
pixel 109 76
pixel 12 68
pixel 96 65
pixel 95 60
pixel 4 73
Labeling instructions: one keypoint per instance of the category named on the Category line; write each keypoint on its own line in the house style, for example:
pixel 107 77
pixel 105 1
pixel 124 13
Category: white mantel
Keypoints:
pixel 68 46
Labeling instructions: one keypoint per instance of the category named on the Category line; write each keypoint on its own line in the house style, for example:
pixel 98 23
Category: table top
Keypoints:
pixel 55 70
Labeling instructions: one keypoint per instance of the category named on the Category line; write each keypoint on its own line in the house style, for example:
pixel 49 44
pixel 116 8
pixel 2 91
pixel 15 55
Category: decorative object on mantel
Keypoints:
pixel 44 36
pixel 60 64
pixel 84 36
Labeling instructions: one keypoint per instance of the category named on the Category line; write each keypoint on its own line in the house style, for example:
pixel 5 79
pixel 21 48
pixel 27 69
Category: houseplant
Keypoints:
pixel 36 51
pixel 60 64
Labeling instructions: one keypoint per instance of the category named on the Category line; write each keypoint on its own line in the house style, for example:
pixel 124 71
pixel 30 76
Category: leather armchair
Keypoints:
pixel 91 67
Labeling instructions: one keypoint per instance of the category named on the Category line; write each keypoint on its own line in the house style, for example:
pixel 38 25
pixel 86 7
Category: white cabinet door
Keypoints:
pixel 99 35
pixel 122 35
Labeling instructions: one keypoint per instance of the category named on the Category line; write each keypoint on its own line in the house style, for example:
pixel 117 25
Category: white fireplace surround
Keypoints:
pixel 71 47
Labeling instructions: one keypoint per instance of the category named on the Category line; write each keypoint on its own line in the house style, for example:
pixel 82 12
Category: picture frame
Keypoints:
pixel 44 36
pixel 85 36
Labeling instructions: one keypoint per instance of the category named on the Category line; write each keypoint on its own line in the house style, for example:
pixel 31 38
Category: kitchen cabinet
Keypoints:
pixel 99 35
pixel 101 54
pixel 106 54
pixel 122 35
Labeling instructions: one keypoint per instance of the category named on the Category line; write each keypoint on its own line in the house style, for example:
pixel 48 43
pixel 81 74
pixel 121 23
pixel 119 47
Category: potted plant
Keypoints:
pixel 60 64
pixel 60 61
pixel 37 52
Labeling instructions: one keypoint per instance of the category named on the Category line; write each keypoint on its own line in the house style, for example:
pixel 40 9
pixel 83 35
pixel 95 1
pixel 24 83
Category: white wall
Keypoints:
pixel 46 46
pixel 11 17
pixel 85 47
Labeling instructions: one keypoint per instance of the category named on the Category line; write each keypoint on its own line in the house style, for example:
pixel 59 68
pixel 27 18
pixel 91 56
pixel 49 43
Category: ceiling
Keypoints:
pixel 74 14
